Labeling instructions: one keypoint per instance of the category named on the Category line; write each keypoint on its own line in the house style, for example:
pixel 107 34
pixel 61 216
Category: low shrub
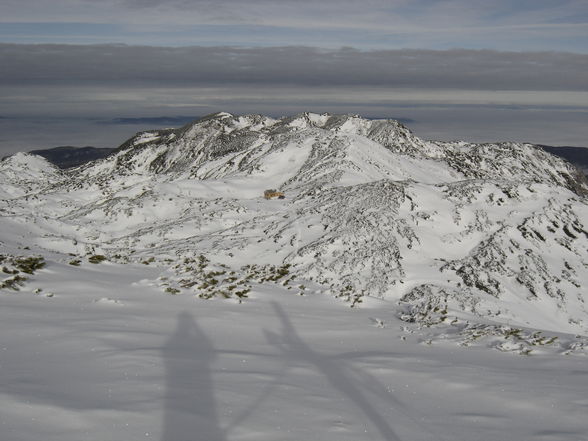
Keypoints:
pixel 96 258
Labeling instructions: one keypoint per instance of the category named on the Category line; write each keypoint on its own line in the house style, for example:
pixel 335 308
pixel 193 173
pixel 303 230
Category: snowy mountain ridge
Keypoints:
pixel 453 232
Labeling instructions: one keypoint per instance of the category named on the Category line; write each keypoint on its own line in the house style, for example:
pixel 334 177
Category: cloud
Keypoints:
pixel 435 24
pixel 118 65
pixel 65 94
pixel 341 12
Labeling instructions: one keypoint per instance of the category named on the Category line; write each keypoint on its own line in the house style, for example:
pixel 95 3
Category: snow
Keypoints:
pixel 111 357
pixel 318 119
pixel 23 173
pixel 403 290
pixel 145 138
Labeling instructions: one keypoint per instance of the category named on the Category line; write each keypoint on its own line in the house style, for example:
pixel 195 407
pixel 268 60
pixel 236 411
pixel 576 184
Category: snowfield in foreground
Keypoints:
pixel 107 356
pixel 403 290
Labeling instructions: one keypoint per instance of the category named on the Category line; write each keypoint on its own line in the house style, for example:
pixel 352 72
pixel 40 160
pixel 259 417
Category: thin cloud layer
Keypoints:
pixel 118 65
pixel 437 24
pixel 519 75
pixel 425 12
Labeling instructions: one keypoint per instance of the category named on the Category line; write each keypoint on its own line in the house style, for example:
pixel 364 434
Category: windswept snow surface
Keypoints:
pixel 109 357
pixel 403 290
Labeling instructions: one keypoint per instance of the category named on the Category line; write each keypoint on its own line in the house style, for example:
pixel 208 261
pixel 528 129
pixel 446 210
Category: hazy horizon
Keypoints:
pixel 83 73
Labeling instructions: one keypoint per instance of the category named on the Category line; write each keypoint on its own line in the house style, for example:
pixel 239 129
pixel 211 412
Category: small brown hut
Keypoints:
pixel 270 194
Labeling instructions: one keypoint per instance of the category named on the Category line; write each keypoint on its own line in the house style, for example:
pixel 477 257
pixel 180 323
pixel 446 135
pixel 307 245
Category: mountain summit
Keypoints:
pixel 449 230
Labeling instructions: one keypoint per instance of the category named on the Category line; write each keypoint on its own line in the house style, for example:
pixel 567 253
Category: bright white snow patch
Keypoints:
pixel 278 367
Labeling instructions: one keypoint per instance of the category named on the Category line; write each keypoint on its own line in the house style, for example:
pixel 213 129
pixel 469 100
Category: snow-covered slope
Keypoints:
pixel 25 174
pixel 156 294
pixel 452 232
pixel 98 352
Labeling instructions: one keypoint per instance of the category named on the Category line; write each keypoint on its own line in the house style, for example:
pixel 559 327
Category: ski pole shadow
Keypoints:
pixel 190 412
pixel 333 369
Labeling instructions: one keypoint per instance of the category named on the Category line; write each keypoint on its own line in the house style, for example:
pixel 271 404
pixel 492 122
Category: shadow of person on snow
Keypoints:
pixel 333 369
pixel 190 408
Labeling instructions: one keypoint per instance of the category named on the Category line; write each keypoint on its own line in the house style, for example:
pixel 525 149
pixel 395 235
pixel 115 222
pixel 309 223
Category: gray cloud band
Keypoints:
pixel 201 66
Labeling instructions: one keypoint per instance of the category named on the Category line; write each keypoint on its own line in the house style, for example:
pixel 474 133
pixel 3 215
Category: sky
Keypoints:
pixel 81 72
